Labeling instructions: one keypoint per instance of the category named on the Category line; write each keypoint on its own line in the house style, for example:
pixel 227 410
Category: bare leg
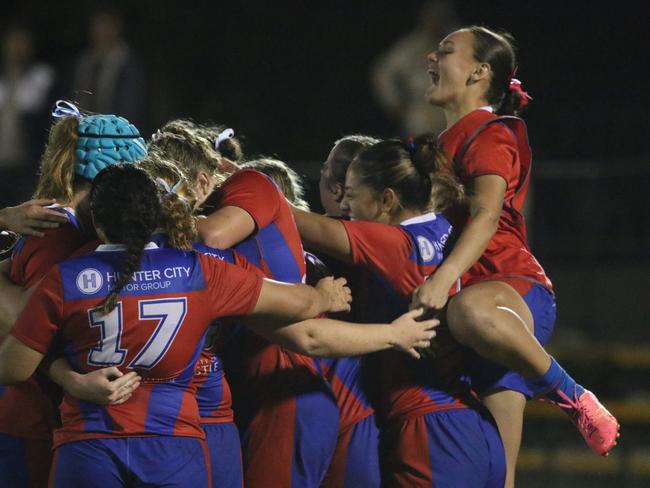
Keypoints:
pixel 507 408
pixel 492 319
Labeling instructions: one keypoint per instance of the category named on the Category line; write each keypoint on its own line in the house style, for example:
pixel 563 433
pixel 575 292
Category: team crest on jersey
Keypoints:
pixel 427 251
pixel 89 281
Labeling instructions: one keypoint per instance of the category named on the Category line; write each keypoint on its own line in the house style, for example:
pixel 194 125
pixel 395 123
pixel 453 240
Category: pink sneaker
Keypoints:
pixel 598 427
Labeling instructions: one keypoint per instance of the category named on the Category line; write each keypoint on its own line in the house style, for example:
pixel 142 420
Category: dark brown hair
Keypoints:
pixel 125 204
pixel 415 169
pixel 498 49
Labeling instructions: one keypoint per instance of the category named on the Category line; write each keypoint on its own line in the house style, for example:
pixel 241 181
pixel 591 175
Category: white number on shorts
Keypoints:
pixel 170 314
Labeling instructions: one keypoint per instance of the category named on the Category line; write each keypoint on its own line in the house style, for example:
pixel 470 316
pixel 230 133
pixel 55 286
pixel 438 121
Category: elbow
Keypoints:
pixel 312 345
pixel 211 236
pixel 489 219
pixel 305 341
pixel 214 239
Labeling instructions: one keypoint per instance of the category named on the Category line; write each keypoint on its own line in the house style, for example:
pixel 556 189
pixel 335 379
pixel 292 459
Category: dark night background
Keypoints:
pixel 291 77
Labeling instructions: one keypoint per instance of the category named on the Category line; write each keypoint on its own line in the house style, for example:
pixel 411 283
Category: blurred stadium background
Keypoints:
pixel 291 77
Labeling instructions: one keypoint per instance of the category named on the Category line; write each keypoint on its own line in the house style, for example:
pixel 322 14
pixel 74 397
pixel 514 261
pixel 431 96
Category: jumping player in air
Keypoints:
pixel 78 147
pixel 433 431
pixel 506 310
pixel 139 307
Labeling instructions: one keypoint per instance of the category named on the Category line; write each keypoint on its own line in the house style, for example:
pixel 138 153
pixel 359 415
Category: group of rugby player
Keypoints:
pixel 161 287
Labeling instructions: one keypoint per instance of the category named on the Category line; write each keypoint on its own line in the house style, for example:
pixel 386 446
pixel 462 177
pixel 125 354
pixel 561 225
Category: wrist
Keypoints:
pixel 324 301
pixel 446 273
pixel 70 381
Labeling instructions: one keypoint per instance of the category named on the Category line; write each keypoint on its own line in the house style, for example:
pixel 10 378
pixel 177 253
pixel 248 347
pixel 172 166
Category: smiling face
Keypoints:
pixel 451 66
pixel 360 201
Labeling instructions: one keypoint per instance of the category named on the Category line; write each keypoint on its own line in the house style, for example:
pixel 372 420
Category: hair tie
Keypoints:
pixel 63 108
pixel 524 97
pixel 226 134
pixel 164 184
pixel 171 190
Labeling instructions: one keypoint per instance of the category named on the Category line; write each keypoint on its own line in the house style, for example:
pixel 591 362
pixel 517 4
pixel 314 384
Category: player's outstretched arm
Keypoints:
pixel 334 338
pixel 106 386
pixel 323 234
pixel 283 302
pixel 30 218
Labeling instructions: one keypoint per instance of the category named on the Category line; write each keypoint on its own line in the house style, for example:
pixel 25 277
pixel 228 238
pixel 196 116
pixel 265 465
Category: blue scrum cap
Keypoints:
pixel 105 140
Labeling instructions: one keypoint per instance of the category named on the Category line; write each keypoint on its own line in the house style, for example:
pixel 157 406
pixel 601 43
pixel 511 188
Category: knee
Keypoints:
pixel 469 319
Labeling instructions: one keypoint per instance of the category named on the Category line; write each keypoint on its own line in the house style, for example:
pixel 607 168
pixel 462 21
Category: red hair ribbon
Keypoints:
pixel 524 97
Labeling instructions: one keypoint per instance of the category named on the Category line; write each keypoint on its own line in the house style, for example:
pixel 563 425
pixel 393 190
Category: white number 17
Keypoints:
pixel 170 313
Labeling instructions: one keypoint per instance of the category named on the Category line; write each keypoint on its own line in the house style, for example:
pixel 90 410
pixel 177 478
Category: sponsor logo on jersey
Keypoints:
pixel 89 281
pixel 427 249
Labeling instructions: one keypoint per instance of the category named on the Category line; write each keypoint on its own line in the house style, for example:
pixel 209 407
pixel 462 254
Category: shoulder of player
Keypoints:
pixel 61 241
pixel 250 176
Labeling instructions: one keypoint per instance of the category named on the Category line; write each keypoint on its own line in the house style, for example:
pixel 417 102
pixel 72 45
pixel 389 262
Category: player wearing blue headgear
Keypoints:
pixel 78 148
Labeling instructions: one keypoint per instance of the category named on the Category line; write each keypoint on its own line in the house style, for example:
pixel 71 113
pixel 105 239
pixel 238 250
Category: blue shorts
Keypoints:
pixel 24 463
pixel 170 462
pixel 485 375
pixel 225 455
pixel 291 441
pixel 356 459
pixel 452 448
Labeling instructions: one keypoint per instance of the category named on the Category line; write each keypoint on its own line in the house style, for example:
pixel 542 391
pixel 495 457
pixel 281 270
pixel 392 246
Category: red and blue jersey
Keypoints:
pixel 213 393
pixel 26 409
pixel 275 248
pixel 401 258
pixel 158 328
pixel 345 375
pixel 479 144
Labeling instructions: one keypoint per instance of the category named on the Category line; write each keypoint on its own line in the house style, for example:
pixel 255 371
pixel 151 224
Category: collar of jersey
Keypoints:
pixel 122 247
pixel 427 217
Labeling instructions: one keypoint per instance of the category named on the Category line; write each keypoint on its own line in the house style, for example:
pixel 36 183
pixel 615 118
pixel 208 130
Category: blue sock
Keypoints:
pixel 557 379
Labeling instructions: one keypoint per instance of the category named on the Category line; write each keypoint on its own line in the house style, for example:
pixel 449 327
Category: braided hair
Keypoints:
pixel 126 206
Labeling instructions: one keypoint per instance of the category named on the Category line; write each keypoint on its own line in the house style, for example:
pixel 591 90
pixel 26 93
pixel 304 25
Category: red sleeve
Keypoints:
pixel 244 263
pixel 230 289
pixel 253 192
pixel 39 321
pixel 493 152
pixel 36 256
pixel 369 240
